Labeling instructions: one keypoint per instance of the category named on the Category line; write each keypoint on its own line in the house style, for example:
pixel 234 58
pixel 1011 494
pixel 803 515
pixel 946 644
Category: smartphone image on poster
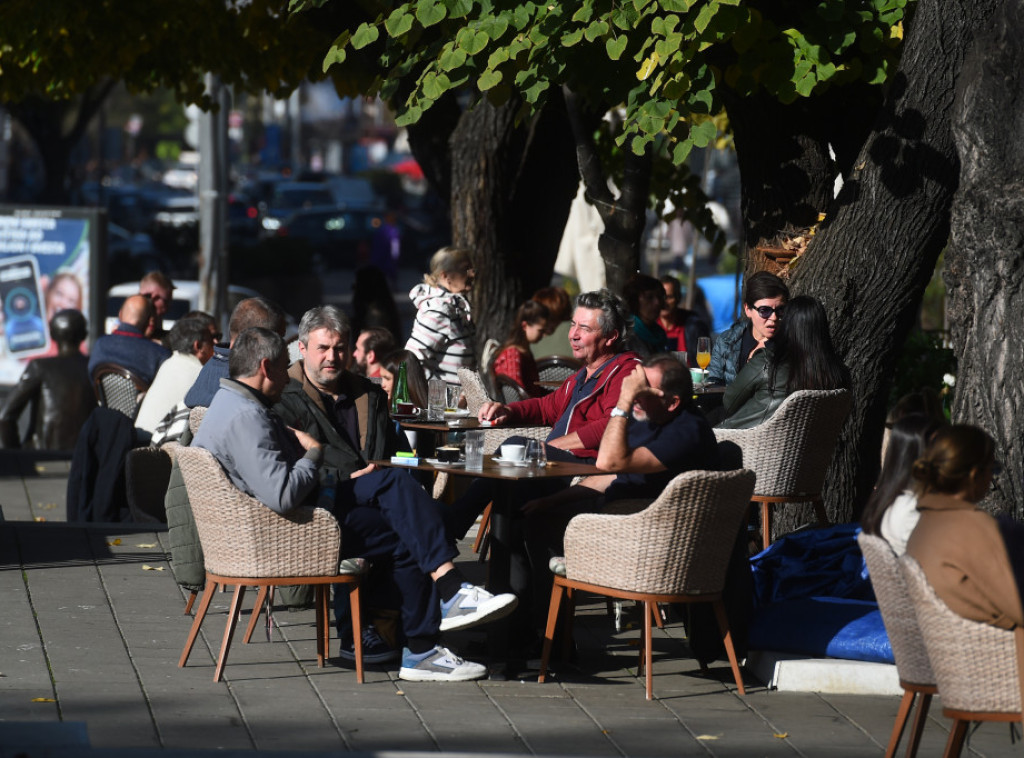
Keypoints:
pixel 21 301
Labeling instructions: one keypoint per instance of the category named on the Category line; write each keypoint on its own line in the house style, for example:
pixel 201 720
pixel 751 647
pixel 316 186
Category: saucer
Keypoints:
pixel 509 461
pixel 459 413
pixel 452 464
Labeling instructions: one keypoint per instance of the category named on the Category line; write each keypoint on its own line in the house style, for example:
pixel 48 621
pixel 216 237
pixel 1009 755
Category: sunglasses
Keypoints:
pixel 766 311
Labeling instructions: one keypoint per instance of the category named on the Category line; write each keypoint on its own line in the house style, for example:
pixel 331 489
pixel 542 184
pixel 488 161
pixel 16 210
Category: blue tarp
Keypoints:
pixel 812 595
pixel 720 293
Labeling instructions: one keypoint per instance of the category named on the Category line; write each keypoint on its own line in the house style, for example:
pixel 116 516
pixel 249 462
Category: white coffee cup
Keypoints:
pixel 513 452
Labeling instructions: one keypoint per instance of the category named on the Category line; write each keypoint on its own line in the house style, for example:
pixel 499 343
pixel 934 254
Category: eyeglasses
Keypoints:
pixel 766 311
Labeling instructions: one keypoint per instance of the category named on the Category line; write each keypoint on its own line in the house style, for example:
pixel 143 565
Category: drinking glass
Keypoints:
pixel 703 358
pixel 475 449
pixel 437 397
pixel 536 453
pixel 452 392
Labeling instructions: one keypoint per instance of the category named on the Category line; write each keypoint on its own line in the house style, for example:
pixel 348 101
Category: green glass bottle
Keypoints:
pixel 400 394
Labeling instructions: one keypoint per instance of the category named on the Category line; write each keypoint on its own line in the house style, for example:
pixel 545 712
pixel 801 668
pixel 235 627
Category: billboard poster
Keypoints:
pixel 47 263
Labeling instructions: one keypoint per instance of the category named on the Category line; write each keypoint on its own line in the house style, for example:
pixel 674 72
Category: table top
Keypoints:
pixel 421 424
pixel 494 470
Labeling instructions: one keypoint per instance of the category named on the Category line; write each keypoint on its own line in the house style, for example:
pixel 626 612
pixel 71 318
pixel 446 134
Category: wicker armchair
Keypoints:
pixel 557 368
pixel 674 551
pixel 975 664
pixel 195 418
pixel 119 388
pixel 791 451
pixel 908 649
pixel 246 544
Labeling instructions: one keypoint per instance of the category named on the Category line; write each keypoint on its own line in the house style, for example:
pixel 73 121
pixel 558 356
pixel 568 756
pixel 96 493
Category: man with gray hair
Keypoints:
pixel 578 410
pixel 387 516
pixel 264 458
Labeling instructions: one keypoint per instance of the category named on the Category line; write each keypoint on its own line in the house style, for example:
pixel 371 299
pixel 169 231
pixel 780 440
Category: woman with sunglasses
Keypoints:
pixel 764 299
pixel 799 357
pixel 970 559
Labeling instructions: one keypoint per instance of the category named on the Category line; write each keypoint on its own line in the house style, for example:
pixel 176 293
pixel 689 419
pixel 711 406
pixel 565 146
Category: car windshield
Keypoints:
pixel 302 198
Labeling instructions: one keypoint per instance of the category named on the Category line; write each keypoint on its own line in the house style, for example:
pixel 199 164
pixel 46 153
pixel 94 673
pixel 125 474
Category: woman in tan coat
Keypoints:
pixel 961 548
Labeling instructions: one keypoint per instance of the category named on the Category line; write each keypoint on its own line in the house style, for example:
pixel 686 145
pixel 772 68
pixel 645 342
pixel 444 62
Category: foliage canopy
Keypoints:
pixel 664 61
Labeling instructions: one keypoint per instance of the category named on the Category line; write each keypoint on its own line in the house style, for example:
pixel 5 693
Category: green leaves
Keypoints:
pixel 365 34
pixel 430 12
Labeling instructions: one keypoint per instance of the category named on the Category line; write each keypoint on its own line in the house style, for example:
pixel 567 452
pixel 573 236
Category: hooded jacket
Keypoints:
pixel 443 332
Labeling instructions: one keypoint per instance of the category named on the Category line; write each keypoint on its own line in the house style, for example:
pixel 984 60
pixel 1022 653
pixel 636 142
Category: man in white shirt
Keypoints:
pixel 191 339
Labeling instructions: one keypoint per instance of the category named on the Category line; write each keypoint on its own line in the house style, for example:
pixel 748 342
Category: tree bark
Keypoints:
pixel 984 275
pixel 878 247
pixel 624 216
pixel 511 188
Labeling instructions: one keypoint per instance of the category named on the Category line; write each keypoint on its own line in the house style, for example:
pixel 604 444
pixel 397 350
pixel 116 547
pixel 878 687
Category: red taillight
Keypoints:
pixel 282 231
pixel 252 211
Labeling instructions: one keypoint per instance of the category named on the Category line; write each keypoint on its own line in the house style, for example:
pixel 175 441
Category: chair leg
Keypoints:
pixel 229 630
pixel 919 720
pixel 649 610
pixel 322 623
pixel 568 627
pixel 261 598
pixel 902 714
pixel 723 627
pixel 197 622
pixel 554 607
pixel 357 630
pixel 656 613
pixel 766 525
pixel 188 603
pixel 481 535
pixel 956 738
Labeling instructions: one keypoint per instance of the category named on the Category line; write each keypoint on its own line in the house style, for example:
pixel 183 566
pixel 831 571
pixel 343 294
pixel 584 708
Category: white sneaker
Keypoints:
pixel 439 665
pixel 474 605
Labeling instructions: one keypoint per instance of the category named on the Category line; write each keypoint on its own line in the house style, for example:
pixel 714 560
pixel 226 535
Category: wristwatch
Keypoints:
pixel 619 413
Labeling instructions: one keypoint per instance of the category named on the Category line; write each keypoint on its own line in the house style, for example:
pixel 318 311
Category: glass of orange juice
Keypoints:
pixel 703 358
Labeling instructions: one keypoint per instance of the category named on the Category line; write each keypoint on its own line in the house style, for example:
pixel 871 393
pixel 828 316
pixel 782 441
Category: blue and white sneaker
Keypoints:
pixel 438 665
pixel 473 605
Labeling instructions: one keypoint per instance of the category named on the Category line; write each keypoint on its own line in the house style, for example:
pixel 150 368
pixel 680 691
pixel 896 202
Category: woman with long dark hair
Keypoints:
pixel 514 359
pixel 891 512
pixel 800 357
pixel 391 366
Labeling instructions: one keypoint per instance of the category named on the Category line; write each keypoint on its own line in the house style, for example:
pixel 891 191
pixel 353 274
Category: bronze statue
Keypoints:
pixel 58 389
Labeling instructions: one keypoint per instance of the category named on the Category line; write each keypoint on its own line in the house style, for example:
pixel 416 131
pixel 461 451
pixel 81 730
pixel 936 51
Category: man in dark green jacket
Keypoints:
pixel 386 516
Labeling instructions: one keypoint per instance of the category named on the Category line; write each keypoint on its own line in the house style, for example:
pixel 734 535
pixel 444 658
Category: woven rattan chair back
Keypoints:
pixel 510 389
pixel 242 537
pixel 908 649
pixel 118 388
pixel 897 610
pixel 679 545
pixel 195 418
pixel 791 451
pixel 975 664
pixel 474 389
pixel 557 368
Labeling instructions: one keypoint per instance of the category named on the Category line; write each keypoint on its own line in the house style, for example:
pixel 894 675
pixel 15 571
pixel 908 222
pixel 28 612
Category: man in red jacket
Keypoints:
pixel 578 410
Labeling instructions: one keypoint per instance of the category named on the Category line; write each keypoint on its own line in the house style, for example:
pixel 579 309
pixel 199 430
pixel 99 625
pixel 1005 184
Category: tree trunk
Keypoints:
pixel 45 122
pixel 624 216
pixel 879 244
pixel 511 188
pixel 984 275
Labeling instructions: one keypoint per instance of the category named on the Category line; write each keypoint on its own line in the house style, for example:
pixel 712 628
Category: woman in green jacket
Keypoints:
pixel 800 357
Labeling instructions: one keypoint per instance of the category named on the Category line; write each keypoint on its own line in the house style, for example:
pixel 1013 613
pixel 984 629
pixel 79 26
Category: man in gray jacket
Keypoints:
pixel 280 466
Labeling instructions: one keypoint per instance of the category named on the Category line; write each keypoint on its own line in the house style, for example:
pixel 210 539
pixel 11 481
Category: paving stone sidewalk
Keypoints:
pixel 93 625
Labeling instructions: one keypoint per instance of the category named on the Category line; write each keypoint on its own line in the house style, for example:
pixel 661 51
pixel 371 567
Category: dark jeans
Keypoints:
pixel 389 519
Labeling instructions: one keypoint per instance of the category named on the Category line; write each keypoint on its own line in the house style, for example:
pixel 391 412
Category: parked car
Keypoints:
pixel 290 197
pixel 336 238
